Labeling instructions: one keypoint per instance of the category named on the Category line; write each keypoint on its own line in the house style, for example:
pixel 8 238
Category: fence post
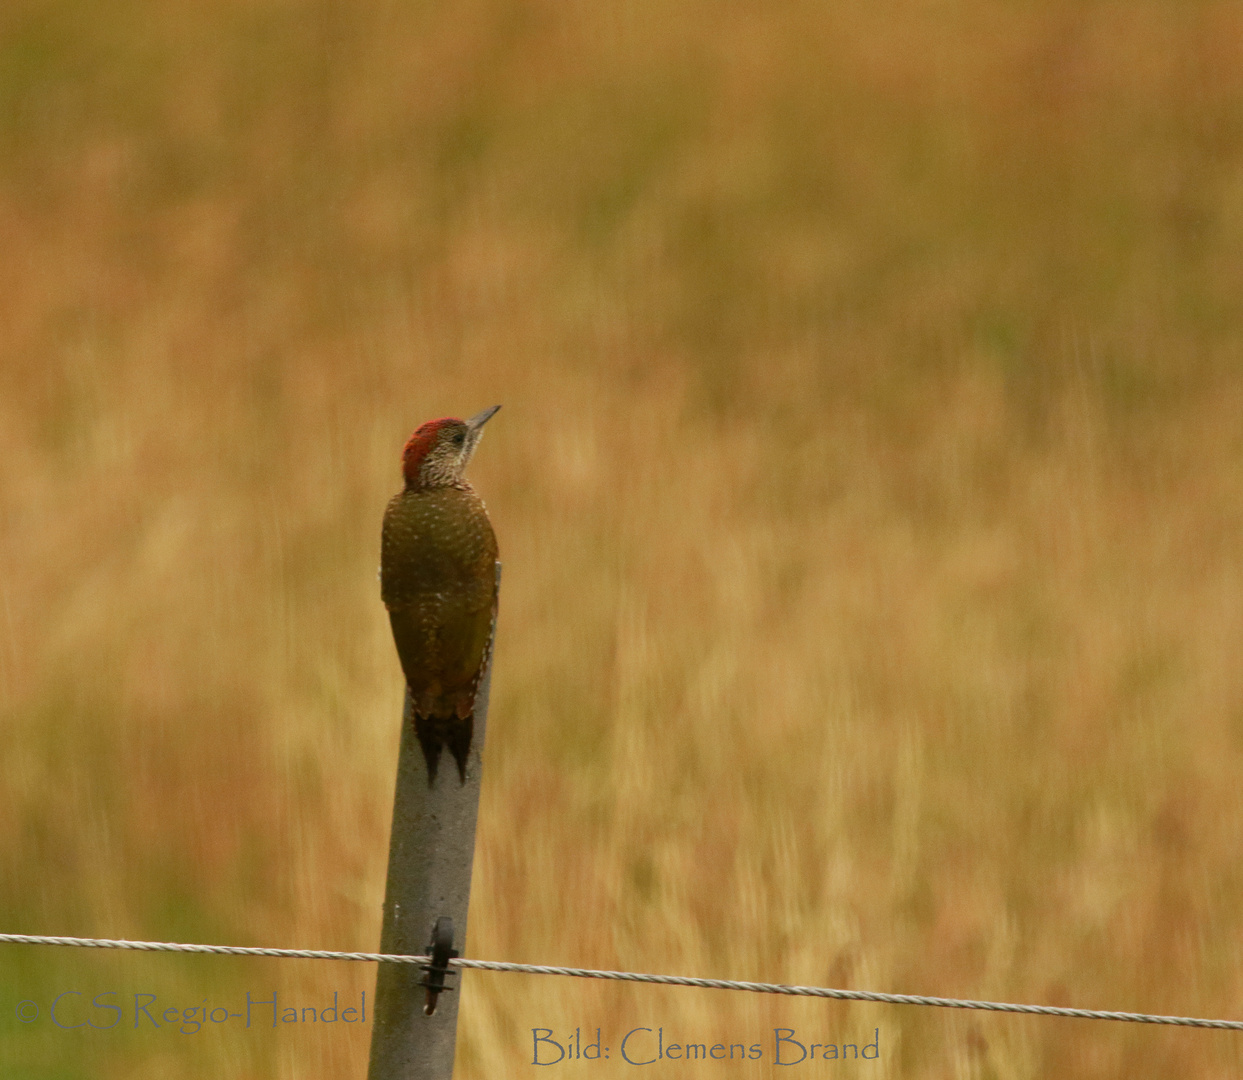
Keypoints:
pixel 431 849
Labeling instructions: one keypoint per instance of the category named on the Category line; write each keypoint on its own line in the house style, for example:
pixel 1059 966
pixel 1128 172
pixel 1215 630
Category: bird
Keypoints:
pixel 438 558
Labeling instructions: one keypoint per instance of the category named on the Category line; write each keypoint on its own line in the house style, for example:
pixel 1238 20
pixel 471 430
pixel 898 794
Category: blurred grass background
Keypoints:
pixel 869 487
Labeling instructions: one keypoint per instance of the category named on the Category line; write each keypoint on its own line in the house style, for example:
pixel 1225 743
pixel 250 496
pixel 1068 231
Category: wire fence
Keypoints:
pixel 631 976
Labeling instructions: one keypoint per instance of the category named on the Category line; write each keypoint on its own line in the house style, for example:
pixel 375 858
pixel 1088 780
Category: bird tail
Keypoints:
pixel 437 732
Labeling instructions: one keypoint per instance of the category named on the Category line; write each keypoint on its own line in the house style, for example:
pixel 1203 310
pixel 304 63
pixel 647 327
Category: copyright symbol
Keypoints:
pixel 27 1012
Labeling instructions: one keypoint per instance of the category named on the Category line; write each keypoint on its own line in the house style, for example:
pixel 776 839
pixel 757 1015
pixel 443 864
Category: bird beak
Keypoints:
pixel 479 419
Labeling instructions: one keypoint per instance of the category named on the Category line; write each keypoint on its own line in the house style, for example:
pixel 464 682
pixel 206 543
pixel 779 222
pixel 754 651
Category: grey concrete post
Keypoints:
pixel 431 850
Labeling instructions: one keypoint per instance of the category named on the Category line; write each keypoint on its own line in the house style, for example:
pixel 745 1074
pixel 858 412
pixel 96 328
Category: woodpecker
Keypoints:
pixel 438 581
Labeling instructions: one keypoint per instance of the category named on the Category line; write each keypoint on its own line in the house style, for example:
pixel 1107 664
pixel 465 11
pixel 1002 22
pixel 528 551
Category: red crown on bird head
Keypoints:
pixel 419 444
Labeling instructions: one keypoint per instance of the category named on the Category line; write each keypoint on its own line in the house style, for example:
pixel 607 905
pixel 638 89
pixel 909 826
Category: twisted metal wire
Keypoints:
pixel 633 976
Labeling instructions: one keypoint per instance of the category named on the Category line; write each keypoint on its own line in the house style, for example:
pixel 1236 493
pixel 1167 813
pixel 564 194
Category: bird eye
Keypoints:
pixel 459 438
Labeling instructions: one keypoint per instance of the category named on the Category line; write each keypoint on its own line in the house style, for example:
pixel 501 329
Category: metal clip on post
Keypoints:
pixel 441 950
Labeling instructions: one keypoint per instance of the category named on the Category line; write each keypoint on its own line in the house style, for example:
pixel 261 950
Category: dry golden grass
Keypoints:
pixel 869 486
